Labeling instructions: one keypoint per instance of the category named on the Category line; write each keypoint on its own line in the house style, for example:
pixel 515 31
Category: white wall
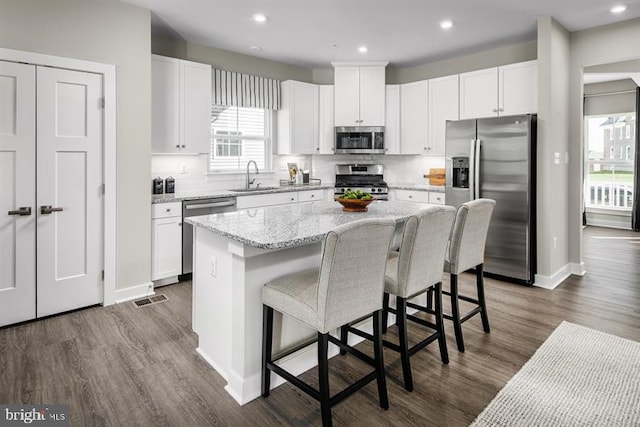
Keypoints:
pixel 110 33
pixel 596 46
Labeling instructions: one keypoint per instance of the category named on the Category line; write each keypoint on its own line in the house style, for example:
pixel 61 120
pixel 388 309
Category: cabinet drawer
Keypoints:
pixel 166 210
pixel 271 199
pixel 413 196
pixel 436 198
pixel 311 196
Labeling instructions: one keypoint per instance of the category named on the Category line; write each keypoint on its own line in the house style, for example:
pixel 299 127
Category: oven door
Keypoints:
pixel 359 140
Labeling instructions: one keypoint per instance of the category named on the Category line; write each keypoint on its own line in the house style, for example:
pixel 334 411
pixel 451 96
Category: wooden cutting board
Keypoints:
pixel 436 176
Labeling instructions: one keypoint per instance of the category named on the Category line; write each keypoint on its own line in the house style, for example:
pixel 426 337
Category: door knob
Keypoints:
pixel 47 209
pixel 22 211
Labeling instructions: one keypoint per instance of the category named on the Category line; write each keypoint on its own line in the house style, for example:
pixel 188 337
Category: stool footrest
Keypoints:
pixel 421 321
pixel 353 351
pixel 294 380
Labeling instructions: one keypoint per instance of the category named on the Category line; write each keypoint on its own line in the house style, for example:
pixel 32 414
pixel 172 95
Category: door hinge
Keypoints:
pixel 102 276
pixel 102 102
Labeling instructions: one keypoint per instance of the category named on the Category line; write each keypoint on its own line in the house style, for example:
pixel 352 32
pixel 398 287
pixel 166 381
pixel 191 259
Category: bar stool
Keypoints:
pixel 411 271
pixel 348 286
pixel 466 251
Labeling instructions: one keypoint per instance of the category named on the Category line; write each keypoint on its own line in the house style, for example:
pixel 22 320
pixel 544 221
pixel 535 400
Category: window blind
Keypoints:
pixel 244 90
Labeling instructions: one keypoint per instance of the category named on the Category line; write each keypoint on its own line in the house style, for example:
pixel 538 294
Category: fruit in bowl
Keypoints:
pixel 355 201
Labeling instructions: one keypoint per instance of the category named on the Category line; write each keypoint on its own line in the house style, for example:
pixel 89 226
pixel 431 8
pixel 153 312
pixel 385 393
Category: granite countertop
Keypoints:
pixel 418 187
pixel 278 227
pixel 213 194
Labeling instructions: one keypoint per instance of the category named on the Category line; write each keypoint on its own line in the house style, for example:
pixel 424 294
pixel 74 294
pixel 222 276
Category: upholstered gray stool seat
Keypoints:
pixel 466 251
pixel 412 270
pixel 347 286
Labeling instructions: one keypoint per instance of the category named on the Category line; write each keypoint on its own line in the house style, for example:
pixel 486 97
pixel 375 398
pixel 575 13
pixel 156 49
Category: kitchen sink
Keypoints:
pixel 254 189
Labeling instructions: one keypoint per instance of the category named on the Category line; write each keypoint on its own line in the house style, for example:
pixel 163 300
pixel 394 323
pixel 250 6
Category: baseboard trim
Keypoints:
pixel 552 282
pixel 578 269
pixel 134 292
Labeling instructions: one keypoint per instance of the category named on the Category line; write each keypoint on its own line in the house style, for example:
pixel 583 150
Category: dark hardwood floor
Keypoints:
pixel 122 365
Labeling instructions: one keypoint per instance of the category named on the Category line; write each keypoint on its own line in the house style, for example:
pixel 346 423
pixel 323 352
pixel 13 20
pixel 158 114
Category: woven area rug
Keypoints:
pixel 578 377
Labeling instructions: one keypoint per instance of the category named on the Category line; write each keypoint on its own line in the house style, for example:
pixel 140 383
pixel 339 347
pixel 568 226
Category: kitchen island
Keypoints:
pixel 235 254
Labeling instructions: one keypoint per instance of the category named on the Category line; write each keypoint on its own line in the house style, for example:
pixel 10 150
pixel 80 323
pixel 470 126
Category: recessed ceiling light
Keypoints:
pixel 362 49
pixel 618 9
pixel 255 48
pixel 446 24
pixel 258 17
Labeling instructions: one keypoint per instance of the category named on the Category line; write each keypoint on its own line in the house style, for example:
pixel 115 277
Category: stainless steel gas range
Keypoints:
pixel 364 177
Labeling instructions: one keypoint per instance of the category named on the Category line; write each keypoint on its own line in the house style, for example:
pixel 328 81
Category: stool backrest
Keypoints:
pixel 351 280
pixel 469 234
pixel 423 248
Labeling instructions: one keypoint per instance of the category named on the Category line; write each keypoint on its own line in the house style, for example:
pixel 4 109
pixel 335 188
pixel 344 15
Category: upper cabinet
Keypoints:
pixel 181 106
pixel 298 118
pixel 326 125
pixel 392 120
pixel 443 106
pixel 499 91
pixel 359 94
pixel 414 117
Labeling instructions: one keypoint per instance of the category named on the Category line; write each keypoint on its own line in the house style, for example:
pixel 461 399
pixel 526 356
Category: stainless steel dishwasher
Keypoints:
pixel 198 207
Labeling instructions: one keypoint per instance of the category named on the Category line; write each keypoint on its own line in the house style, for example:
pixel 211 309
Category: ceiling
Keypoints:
pixel 313 33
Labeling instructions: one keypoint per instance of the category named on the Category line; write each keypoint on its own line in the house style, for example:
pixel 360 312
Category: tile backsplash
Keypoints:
pixel 190 171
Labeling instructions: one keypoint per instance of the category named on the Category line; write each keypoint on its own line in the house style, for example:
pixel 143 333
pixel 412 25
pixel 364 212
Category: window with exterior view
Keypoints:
pixel 238 135
pixel 609 161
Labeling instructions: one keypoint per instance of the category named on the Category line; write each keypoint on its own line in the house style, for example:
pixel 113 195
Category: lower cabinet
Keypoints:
pixel 419 196
pixel 274 199
pixel 166 240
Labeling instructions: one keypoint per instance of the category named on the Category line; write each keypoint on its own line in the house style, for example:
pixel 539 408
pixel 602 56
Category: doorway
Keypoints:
pixel 51 145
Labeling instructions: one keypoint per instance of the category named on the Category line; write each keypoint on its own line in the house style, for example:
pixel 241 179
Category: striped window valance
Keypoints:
pixel 244 90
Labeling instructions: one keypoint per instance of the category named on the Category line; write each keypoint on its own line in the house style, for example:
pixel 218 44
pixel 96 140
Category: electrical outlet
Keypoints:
pixel 213 267
pixel 183 169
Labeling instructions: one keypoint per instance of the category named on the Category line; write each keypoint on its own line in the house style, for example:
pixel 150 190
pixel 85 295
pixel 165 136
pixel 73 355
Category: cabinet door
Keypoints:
pixel 392 120
pixel 298 118
pixel 166 239
pixel 272 199
pixel 443 106
pixel 195 107
pixel 372 94
pixel 311 196
pixel 479 94
pixel 165 104
pixel 326 129
pixel 518 88
pixel 413 118
pixel 347 100
pixel 412 196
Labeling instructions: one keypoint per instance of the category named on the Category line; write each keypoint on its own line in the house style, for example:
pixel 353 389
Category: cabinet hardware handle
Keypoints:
pixel 47 209
pixel 168 209
pixel 21 211
pixel 178 146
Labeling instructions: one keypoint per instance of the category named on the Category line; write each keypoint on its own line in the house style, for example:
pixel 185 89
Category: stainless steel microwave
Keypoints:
pixel 359 140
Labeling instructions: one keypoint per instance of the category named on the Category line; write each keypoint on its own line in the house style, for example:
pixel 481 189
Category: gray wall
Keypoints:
pixel 111 33
pixel 596 46
pixel 553 137
pixel 227 60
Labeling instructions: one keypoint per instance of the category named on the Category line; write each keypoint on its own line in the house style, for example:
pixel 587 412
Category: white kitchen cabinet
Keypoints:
pixel 181 106
pixel 269 199
pixel 311 196
pixel 359 94
pixel 443 105
pixel 326 128
pixel 418 196
pixel 499 91
pixel 298 118
pixel 392 120
pixel 166 240
pixel 436 198
pixel 414 117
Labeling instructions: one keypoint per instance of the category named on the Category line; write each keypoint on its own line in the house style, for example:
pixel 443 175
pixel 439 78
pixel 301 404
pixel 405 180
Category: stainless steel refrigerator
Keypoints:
pixel 494 158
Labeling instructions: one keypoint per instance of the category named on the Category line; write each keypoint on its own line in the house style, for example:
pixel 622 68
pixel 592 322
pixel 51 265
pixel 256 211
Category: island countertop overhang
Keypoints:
pixel 279 227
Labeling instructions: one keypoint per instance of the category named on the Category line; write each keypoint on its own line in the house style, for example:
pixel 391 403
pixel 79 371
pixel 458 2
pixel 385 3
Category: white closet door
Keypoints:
pixel 69 178
pixel 17 175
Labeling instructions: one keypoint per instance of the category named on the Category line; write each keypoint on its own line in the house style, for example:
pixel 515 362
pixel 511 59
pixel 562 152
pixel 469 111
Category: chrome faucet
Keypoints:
pixel 250 181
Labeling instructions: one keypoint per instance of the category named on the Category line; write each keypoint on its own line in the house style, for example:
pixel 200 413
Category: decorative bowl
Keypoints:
pixel 354 205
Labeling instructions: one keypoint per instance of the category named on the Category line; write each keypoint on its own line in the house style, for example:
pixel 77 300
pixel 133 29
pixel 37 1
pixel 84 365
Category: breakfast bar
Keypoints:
pixel 235 254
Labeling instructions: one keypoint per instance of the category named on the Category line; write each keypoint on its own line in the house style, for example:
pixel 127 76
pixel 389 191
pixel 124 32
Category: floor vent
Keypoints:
pixel 150 300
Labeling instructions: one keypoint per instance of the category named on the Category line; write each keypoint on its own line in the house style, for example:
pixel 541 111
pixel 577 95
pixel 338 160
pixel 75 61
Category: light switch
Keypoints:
pixel 556 158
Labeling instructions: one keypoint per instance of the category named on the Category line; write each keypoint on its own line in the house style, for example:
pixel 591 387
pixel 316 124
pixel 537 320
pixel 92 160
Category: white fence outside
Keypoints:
pixel 609 195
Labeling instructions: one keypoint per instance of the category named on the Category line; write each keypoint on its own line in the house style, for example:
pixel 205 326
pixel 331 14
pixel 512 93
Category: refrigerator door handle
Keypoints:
pixel 472 166
pixel 476 169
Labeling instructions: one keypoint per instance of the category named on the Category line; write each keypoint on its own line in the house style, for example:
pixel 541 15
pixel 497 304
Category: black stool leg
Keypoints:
pixel 344 338
pixel 379 361
pixel 323 379
pixel 481 299
pixel 442 339
pixel 267 344
pixel 385 312
pixel 455 312
pixel 430 299
pixel 401 321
